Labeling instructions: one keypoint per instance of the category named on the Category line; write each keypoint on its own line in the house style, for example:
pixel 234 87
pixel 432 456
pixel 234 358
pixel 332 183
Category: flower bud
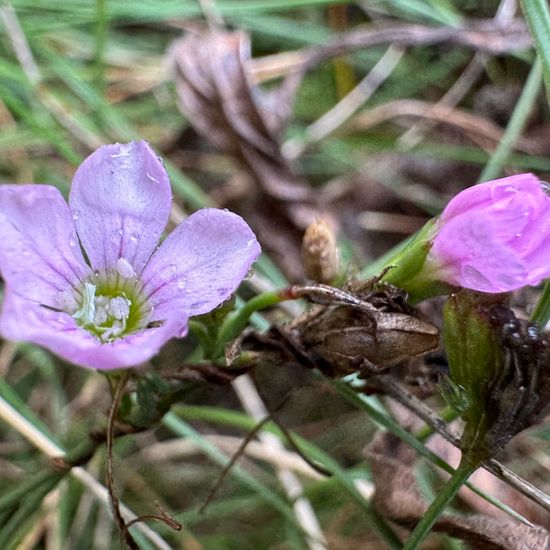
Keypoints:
pixel 494 362
pixel 320 253
pixel 493 237
pixel 473 352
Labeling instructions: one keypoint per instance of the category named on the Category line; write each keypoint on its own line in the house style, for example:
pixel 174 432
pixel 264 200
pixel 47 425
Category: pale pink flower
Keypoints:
pixel 89 281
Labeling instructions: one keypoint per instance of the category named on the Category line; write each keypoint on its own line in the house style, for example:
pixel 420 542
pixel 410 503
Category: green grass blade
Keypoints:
pixel 537 15
pixel 541 313
pixel 344 477
pixel 517 122
pixel 243 422
pixel 182 429
pixel 13 399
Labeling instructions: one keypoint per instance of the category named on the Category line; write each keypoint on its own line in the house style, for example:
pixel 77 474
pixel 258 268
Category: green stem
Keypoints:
pixel 236 322
pixel 200 332
pixel 458 479
pixel 541 314
pixel 411 270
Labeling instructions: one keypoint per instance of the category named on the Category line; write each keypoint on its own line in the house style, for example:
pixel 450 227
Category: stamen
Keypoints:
pixel 120 307
pixel 107 312
pixel 101 311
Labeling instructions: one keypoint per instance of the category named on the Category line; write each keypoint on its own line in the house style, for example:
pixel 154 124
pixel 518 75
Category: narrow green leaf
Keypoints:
pixel 500 158
pixel 182 429
pixel 541 314
pixel 537 15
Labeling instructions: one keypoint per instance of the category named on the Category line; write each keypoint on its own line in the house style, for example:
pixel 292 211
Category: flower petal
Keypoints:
pixel 58 332
pixel 40 257
pixel 470 255
pixel 120 198
pixel 494 237
pixel 485 195
pixel 200 264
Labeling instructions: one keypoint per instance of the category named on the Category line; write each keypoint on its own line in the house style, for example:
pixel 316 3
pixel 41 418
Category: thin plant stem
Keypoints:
pixel 423 527
pixel 236 322
pixel 113 493
pixel 230 464
pixel 162 516
pixel 421 410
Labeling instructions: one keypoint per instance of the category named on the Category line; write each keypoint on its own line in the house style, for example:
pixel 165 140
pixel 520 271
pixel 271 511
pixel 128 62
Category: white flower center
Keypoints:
pixel 105 316
pixel 110 306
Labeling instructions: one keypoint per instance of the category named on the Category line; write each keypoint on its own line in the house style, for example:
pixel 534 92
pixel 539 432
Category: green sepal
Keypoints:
pixel 454 395
pixel 411 270
pixel 216 316
pixel 206 327
pixel 475 358
pixel 150 397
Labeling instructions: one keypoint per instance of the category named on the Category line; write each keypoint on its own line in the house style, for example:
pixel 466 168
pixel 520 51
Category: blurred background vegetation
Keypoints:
pixel 376 136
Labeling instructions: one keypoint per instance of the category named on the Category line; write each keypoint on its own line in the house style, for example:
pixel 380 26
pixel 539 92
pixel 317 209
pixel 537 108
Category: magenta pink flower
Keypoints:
pixel 88 280
pixel 494 237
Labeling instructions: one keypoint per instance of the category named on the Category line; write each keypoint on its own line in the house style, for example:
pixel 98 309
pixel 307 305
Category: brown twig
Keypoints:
pixel 490 36
pixel 163 516
pixel 111 487
pixel 482 35
pixel 475 126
